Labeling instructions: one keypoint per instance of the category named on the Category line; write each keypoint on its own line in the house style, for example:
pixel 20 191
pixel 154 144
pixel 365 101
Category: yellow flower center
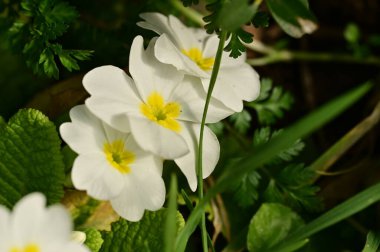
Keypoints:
pixel 196 55
pixel 28 248
pixel 118 156
pixel 165 114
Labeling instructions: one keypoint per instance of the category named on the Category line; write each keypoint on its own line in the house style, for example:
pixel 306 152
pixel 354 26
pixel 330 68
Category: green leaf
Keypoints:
pixel 241 121
pixel 68 61
pixel 271 224
pixel 268 151
pixel 235 45
pixel 264 135
pixel 49 65
pixel 261 19
pixel 94 239
pixel 68 158
pixel 188 3
pixel 145 235
pixel 293 16
pixel 373 242
pixel 246 191
pixel 348 208
pixel 293 187
pixel 30 158
pixel 217 128
pixel 352 33
pixel 271 103
pixel 234 14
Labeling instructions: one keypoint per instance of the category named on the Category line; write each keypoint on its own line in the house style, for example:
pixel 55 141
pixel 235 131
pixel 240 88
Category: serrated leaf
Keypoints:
pixel 145 235
pixel 271 103
pixel 94 239
pixel 68 62
pixel 241 121
pixel 30 158
pixel 271 224
pixel 246 192
pixel 293 16
pixel 292 187
pixel 49 65
pixel 264 135
pixel 235 45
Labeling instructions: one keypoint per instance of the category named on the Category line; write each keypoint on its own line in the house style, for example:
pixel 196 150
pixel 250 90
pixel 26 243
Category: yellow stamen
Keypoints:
pixel 118 156
pixel 28 248
pixel 196 55
pixel 164 114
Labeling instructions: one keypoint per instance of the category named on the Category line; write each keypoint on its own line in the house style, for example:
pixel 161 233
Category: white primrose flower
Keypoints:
pixel 158 106
pixel 33 227
pixel 193 50
pixel 111 166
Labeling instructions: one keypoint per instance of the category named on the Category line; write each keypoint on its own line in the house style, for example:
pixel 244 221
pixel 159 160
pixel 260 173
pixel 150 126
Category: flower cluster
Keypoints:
pixel 129 125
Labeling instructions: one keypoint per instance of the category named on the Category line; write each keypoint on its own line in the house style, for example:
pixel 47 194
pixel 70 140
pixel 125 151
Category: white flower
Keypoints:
pixel 193 50
pixel 111 166
pixel 32 227
pixel 158 107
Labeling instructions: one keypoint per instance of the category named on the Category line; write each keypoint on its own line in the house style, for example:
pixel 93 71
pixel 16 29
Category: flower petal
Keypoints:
pixel 211 150
pixel 94 174
pixel 152 137
pixel 149 74
pixel 185 35
pixel 192 97
pixel 5 218
pixel 82 135
pixel 56 225
pixel 166 52
pixel 144 189
pixel 243 79
pixel 225 93
pixel 24 228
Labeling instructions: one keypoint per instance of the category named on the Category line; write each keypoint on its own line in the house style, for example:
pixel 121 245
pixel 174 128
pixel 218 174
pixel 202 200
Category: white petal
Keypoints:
pixel 144 189
pixel 56 225
pixel 148 73
pixel 72 247
pixel 166 52
pixel 4 227
pixel 152 137
pixel 225 93
pixel 84 134
pixel 186 37
pixel 114 89
pixel 24 228
pixel 211 152
pixel 94 174
pixel 243 79
pixel 111 111
pixel 191 96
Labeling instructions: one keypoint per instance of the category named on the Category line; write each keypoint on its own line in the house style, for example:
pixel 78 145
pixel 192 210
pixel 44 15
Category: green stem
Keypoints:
pixel 191 14
pixel 273 56
pixel 214 75
pixel 328 158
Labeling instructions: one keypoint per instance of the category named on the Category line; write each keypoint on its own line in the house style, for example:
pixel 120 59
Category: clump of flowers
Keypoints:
pixel 129 125
pixel 33 227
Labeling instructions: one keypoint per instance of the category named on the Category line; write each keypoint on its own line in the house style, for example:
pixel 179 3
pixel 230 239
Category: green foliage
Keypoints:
pixel 246 192
pixel 83 212
pixel 171 226
pixel 241 121
pixel 264 135
pixel 352 33
pixel 294 16
pixel 68 158
pixel 260 19
pixel 233 14
pixel 94 239
pixel 30 158
pixel 271 103
pixel 145 235
pixel 271 224
pixel 217 128
pixel 235 46
pixel 292 187
pixel 36 26
pixel 373 242
pixel 187 3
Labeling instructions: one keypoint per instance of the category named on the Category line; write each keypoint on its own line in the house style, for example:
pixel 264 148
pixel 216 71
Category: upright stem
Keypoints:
pixel 214 75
